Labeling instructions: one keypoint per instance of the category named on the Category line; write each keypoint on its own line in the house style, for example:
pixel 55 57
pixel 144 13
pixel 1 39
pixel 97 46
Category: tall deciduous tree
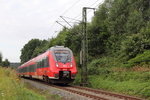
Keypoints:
pixel 28 50
pixel 41 48
pixel 5 63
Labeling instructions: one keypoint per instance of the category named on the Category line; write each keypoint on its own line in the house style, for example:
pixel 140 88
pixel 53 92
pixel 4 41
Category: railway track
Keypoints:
pixel 96 94
pixel 120 96
pixel 92 94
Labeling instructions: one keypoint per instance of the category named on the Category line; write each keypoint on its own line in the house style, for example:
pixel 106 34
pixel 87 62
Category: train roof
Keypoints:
pixel 58 47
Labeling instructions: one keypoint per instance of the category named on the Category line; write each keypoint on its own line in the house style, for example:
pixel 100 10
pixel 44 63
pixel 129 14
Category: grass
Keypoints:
pixel 43 92
pixel 129 82
pixel 11 88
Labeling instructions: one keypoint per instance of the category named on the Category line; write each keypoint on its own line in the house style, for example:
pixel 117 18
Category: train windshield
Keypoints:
pixel 63 56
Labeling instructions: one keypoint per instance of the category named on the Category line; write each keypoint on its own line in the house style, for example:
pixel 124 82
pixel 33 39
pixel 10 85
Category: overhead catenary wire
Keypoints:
pixel 78 16
pixel 52 27
pixel 60 24
pixel 72 18
pixel 70 7
pixel 67 11
pixel 66 21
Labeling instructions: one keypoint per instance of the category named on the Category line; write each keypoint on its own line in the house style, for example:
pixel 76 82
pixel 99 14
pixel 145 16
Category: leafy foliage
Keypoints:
pixel 40 49
pixel 143 58
pixel 73 39
pixel 0 58
pixel 97 32
pixel 5 63
pixel 27 51
pixel 137 43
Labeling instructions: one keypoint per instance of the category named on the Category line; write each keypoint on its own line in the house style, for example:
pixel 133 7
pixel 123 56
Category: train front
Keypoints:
pixel 65 65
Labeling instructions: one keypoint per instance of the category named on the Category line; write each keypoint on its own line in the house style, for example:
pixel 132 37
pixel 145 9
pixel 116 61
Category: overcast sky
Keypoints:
pixel 22 20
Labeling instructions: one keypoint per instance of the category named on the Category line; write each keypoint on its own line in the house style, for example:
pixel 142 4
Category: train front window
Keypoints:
pixel 62 56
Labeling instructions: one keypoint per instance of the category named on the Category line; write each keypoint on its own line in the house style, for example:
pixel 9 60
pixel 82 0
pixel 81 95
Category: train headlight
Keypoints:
pixel 71 65
pixel 57 65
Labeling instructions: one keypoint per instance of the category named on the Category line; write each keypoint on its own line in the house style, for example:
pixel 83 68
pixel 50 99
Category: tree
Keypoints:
pixel 0 59
pixel 5 63
pixel 117 17
pixel 41 48
pixel 73 39
pixel 97 31
pixel 137 43
pixel 28 50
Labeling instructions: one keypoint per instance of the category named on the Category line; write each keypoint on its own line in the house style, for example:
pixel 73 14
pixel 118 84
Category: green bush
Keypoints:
pixel 132 46
pixel 135 44
pixel 103 65
pixel 143 58
pixel 77 80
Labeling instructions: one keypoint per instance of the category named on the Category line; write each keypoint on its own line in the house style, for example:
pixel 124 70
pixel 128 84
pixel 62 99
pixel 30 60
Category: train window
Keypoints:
pixel 34 67
pixel 30 68
pixel 47 62
pixel 23 70
pixel 43 61
pixel 43 65
pixel 63 56
pixel 40 64
pixel 37 65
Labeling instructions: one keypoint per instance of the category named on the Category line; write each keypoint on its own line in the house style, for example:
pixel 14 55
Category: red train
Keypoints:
pixel 56 65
